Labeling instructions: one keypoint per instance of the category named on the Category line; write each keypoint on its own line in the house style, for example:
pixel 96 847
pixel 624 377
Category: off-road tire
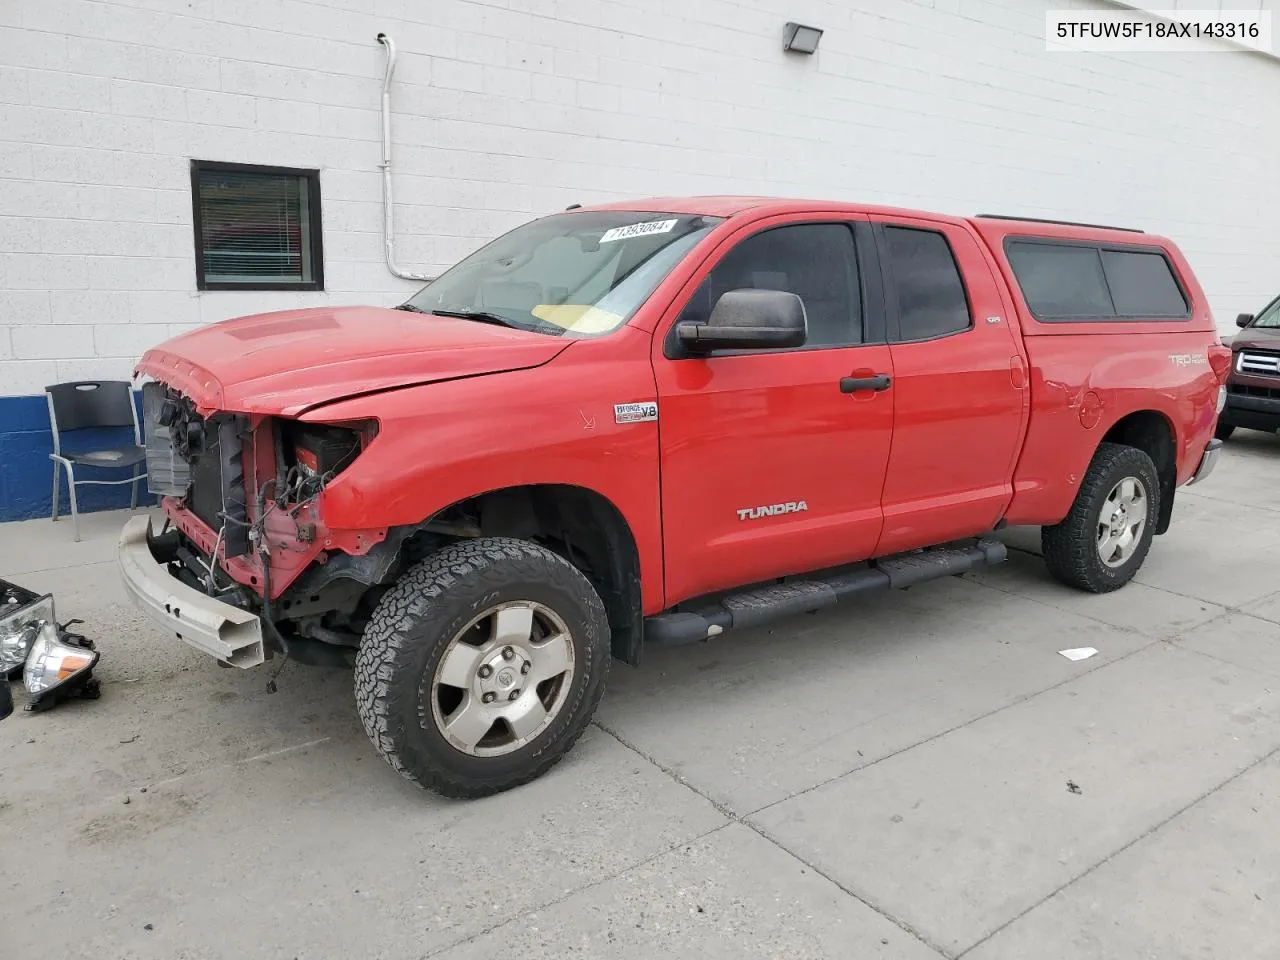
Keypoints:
pixel 1070 548
pixel 1224 430
pixel 413 625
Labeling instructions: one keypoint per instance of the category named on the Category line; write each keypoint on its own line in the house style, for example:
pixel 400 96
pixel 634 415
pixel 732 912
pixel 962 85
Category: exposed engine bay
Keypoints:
pixel 242 524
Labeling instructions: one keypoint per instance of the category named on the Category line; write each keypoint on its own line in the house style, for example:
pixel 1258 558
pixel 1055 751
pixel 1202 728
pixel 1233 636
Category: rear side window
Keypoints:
pixel 1085 282
pixel 1061 283
pixel 1142 285
pixel 926 280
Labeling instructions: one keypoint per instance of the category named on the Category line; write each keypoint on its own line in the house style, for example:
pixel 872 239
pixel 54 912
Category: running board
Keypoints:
pixel 763 604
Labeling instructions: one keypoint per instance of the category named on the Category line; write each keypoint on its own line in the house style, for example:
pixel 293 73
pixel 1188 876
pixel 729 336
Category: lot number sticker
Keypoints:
pixel 637 230
pixel 635 412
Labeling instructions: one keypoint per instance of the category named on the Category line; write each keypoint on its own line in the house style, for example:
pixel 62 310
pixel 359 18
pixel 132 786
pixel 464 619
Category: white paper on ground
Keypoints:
pixel 1078 653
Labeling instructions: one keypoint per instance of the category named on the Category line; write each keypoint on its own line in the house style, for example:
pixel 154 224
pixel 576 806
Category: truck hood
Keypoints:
pixel 1264 338
pixel 286 362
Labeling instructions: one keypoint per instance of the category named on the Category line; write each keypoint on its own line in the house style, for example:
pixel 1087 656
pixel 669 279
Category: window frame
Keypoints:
pixel 315 234
pixel 1098 246
pixel 892 306
pixel 869 291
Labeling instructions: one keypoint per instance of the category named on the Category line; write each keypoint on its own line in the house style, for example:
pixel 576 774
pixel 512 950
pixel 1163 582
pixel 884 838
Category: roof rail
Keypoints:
pixel 1065 223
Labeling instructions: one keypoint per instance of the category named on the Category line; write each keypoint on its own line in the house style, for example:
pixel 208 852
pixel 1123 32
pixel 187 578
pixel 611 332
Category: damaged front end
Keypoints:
pixel 237 569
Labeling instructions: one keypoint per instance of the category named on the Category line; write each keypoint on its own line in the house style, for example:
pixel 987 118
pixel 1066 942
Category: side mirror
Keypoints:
pixel 1244 319
pixel 746 319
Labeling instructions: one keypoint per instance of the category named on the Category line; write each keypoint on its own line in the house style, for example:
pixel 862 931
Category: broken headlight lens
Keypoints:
pixel 51 662
pixel 20 630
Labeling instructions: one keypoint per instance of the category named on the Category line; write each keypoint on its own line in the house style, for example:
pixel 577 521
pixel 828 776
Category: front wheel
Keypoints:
pixel 482 666
pixel 1103 541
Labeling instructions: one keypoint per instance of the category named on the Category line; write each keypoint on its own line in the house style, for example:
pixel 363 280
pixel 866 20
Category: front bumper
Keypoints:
pixel 223 631
pixel 1250 411
pixel 1208 461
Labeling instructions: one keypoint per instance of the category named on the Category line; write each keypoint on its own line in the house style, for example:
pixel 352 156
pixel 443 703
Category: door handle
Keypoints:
pixel 880 381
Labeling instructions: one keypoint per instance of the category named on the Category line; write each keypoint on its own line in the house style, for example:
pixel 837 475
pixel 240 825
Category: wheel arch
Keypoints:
pixel 1153 433
pixel 580 524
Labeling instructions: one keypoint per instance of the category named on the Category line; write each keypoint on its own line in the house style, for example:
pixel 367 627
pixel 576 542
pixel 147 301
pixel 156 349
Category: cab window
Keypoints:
pixel 815 261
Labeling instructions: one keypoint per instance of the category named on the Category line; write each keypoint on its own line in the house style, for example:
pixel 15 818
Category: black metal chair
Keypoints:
pixel 90 405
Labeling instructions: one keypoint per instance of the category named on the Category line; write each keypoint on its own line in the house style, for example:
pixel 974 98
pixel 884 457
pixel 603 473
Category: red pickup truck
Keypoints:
pixel 658 421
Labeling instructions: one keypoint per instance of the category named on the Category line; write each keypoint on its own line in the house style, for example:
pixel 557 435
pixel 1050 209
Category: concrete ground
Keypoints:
pixel 888 780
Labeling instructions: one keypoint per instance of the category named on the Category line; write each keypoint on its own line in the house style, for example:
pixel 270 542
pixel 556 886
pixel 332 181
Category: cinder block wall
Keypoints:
pixel 508 109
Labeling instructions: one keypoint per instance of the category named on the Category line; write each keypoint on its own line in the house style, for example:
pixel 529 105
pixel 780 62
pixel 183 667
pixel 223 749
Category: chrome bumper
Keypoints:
pixel 224 632
pixel 1208 461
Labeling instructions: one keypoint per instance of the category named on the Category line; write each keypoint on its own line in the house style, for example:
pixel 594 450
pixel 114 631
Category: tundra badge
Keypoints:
pixel 772 510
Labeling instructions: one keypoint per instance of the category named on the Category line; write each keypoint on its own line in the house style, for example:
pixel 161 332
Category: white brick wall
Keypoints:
pixel 507 109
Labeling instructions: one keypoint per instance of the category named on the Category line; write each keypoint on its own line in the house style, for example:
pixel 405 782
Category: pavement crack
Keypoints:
pixel 62 569
pixel 1248 612
pixel 568 894
pixel 283 750
pixel 733 817
pixel 1009 592
pixel 1227 661
pixel 1185 596
pixel 1149 586
pixel 849 891
pixel 721 808
pixel 1119 850
pixel 1017 701
pixel 1252 506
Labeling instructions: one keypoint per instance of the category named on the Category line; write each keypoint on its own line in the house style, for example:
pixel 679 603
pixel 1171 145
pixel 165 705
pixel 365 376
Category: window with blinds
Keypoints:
pixel 256 228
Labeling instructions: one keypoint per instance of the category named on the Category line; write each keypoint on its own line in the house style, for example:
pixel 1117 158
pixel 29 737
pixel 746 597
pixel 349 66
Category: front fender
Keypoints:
pixel 442 443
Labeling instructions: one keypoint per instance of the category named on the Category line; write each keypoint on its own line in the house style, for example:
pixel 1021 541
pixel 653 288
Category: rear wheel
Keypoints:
pixel 1103 541
pixel 482 666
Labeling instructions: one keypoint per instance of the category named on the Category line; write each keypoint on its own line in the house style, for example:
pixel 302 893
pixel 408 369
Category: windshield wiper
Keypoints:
pixel 482 316
pixel 410 307
pixel 479 315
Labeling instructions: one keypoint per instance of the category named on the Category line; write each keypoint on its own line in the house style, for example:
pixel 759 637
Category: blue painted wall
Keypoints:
pixel 26 472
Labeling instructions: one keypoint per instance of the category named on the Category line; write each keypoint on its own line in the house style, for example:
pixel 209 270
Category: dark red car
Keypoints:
pixel 1253 388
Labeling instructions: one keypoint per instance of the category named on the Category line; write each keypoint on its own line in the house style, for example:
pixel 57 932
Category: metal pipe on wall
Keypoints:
pixel 388 231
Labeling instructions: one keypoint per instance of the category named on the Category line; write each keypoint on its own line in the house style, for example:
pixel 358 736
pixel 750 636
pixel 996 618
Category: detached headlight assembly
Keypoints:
pixel 20 628
pixel 55 664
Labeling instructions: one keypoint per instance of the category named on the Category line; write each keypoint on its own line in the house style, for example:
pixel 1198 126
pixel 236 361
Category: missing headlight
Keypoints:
pixel 319 452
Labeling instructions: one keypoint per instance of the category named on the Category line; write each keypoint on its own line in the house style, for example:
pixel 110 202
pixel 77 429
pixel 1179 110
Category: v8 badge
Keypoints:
pixel 635 412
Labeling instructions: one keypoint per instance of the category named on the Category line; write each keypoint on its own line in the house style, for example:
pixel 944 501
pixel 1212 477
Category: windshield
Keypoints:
pixel 1270 316
pixel 583 274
